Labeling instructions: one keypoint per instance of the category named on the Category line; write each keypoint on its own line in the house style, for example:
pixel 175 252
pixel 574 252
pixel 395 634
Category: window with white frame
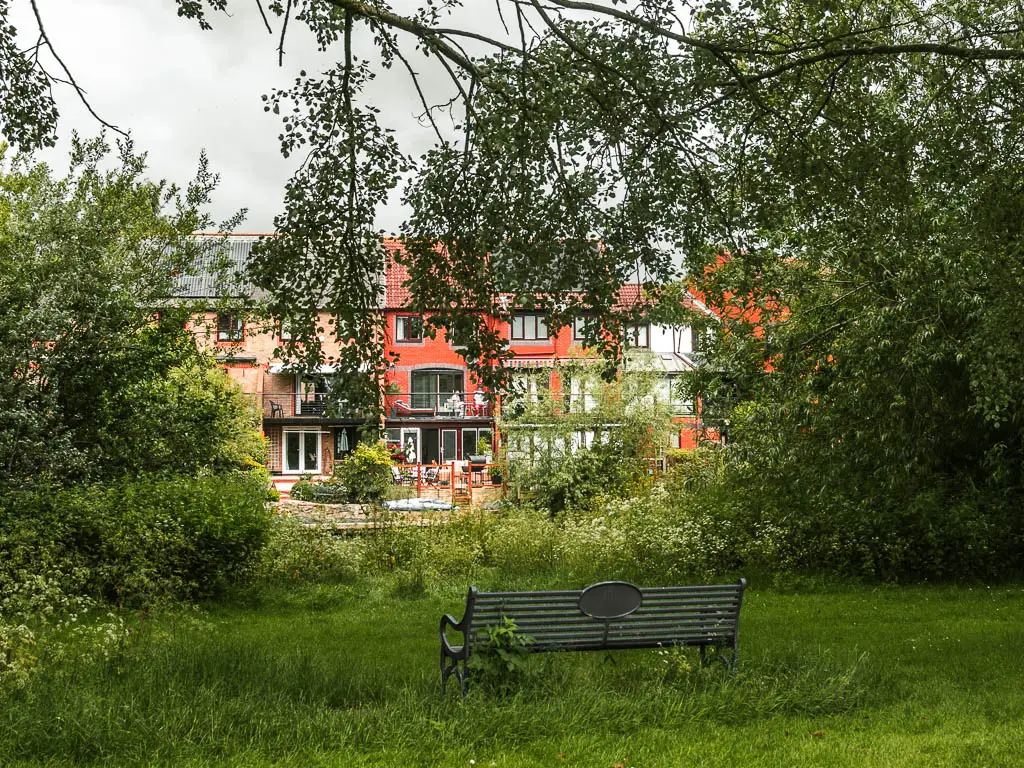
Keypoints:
pixel 529 327
pixel 667 390
pixel 404 444
pixel 408 328
pixel 638 336
pixel 526 387
pixel 580 326
pixel 580 399
pixel 682 340
pixel 471 439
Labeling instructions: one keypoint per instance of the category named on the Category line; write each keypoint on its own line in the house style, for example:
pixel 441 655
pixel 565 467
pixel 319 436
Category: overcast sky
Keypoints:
pixel 180 90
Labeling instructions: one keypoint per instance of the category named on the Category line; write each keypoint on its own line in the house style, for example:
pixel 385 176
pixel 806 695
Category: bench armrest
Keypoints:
pixel 454 652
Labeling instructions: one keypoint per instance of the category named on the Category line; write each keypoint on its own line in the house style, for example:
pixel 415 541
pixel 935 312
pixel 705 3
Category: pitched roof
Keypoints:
pixel 219 269
pixel 396 295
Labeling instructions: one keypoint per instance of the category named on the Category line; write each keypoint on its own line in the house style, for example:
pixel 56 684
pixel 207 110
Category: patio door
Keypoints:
pixel 449 445
pixel 301 451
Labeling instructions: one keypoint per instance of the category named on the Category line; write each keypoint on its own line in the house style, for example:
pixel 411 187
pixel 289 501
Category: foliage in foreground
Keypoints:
pixel 136 541
pixel 690 525
pixel 868 364
pixel 99 377
pixel 69 557
pixel 571 451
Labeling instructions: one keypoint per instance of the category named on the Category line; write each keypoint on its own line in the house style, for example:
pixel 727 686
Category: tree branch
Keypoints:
pixel 45 40
pixel 428 35
pixel 284 31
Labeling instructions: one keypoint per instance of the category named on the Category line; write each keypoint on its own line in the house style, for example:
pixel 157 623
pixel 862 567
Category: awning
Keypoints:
pixel 520 362
pixel 324 369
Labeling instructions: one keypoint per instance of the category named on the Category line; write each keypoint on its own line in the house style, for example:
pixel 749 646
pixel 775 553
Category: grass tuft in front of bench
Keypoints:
pixel 608 615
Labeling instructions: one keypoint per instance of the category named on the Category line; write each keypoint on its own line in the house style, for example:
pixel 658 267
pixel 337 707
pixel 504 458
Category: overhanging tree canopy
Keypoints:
pixel 594 140
pixel 859 161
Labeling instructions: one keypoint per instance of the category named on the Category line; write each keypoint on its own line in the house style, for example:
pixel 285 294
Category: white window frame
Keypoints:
pixel 445 436
pixel 532 326
pixel 475 440
pixel 403 434
pixel 580 400
pixel 682 340
pixel 639 336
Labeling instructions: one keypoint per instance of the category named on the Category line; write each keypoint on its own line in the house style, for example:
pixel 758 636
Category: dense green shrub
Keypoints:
pixel 668 534
pixel 326 492
pixel 135 541
pixel 943 532
pixel 364 476
pixel 366 472
pixel 693 470
pixel 121 391
pixel 582 480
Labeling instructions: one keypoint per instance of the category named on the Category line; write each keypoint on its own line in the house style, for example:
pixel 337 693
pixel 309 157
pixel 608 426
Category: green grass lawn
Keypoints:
pixel 347 675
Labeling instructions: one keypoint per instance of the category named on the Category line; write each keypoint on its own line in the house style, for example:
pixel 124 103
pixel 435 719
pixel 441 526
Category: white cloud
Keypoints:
pixel 180 90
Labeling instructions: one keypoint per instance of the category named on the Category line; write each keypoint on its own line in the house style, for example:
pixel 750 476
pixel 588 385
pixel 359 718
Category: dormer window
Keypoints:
pixel 230 328
pixel 408 328
pixel 529 328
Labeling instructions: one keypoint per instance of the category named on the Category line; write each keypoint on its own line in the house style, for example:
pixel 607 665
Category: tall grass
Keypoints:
pixel 347 674
pixel 330 657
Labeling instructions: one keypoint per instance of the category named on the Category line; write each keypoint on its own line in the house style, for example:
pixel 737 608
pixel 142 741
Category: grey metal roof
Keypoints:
pixel 219 269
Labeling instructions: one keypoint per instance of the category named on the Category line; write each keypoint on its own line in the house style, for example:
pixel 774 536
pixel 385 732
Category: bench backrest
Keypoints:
pixel 697 615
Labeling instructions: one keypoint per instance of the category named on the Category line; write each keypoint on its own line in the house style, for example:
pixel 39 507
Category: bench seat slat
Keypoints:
pixel 646 602
pixel 649 594
pixel 563 604
pixel 647 641
pixel 539 633
pixel 582 620
pixel 679 617
pixel 651 637
pixel 653 591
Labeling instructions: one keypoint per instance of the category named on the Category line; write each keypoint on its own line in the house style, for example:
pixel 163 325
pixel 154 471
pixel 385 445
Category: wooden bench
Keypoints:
pixel 605 616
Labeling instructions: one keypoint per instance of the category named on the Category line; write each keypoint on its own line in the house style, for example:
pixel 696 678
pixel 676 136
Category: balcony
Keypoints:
pixel 309 405
pixel 437 405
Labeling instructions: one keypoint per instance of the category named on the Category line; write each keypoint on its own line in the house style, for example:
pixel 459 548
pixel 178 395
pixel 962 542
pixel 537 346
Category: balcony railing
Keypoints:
pixel 437 405
pixel 286 405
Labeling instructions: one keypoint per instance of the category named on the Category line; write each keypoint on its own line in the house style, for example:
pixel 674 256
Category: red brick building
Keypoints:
pixel 433 408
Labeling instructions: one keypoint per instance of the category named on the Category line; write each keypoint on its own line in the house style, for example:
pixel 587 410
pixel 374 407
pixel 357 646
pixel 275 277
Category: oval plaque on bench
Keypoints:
pixel 610 599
